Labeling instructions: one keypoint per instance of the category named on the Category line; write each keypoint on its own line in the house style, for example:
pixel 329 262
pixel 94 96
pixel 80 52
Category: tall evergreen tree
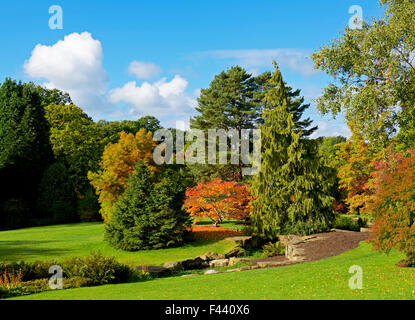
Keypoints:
pixel 291 186
pixel 234 100
pixel 25 150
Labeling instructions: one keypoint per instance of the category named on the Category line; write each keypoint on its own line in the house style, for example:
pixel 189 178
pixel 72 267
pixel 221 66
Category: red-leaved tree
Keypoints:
pixel 218 200
pixel 393 204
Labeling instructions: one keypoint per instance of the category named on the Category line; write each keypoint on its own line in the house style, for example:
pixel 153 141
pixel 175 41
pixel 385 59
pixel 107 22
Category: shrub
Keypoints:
pixel 98 268
pixel 273 249
pixel 149 214
pixel 305 228
pixel 88 207
pixel 348 223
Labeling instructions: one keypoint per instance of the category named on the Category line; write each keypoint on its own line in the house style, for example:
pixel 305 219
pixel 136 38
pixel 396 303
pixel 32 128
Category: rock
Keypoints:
pixel 193 264
pixel 191 275
pixel 235 252
pixel 294 253
pixel 173 265
pixel 233 261
pixel 270 264
pixel 152 269
pixel 233 270
pixel 212 272
pixel 213 256
pixel 219 263
pixel 364 229
pixel 241 240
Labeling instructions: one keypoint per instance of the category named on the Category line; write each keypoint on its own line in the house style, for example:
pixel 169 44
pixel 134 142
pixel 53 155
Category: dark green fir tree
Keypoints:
pixel 291 187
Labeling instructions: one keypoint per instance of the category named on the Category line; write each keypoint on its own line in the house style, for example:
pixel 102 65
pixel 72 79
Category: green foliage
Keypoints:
pixel 373 73
pixel 25 150
pixel 57 195
pixel 76 141
pixel 97 268
pixel 349 223
pixel 111 129
pixel 292 184
pixel 88 207
pixel 273 249
pixel 305 228
pixel 149 214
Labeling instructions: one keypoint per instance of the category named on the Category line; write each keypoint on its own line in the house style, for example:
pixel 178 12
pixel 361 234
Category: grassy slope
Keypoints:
pixel 324 279
pixel 63 241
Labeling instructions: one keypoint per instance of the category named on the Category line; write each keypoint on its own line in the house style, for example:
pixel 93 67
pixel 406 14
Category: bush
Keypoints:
pixel 88 207
pixel 273 249
pixel 305 228
pixel 98 268
pixel 57 197
pixel 348 223
pixel 149 214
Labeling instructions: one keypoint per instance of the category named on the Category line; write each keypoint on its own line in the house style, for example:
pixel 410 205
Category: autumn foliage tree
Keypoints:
pixel 218 200
pixel 118 161
pixel 355 173
pixel 393 204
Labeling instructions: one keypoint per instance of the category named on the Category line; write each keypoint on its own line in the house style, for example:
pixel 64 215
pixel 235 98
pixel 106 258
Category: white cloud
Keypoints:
pixel 73 64
pixel 160 99
pixel 331 129
pixel 296 60
pixel 144 70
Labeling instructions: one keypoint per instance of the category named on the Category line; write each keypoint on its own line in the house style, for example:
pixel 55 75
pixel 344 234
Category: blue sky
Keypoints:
pixel 125 59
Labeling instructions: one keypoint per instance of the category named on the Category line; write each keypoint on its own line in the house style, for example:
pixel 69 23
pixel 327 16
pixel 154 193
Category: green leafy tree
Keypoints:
pixel 76 141
pixel 292 184
pixel 373 74
pixel 25 150
pixel 111 129
pixel 149 214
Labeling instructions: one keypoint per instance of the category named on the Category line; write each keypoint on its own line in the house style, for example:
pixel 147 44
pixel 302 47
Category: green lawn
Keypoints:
pixel 64 241
pixel 324 279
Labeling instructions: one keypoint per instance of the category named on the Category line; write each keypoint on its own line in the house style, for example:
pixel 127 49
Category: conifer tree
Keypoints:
pixel 149 214
pixel 291 186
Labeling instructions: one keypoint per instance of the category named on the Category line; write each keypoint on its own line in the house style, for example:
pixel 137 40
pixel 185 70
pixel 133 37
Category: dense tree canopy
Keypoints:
pixel 76 141
pixel 373 74
pixel 25 150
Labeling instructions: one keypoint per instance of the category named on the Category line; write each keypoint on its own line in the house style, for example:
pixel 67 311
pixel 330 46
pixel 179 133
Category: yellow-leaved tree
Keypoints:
pixel 117 163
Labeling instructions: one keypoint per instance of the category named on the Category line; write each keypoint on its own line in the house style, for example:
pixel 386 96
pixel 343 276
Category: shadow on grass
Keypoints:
pixel 17 250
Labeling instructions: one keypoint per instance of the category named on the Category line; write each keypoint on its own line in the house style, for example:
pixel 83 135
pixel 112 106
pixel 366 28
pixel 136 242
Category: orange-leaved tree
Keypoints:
pixel 218 200
pixel 117 163
pixel 393 204
pixel 356 171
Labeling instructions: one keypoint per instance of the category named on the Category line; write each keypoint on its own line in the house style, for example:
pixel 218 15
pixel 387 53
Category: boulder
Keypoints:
pixel 240 240
pixel 233 261
pixel 219 263
pixel 197 263
pixel 213 256
pixel 152 269
pixel 173 265
pixel 191 275
pixel 235 252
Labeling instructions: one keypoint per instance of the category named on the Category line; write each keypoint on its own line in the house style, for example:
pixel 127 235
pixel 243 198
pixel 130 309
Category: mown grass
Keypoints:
pixel 324 279
pixel 75 240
